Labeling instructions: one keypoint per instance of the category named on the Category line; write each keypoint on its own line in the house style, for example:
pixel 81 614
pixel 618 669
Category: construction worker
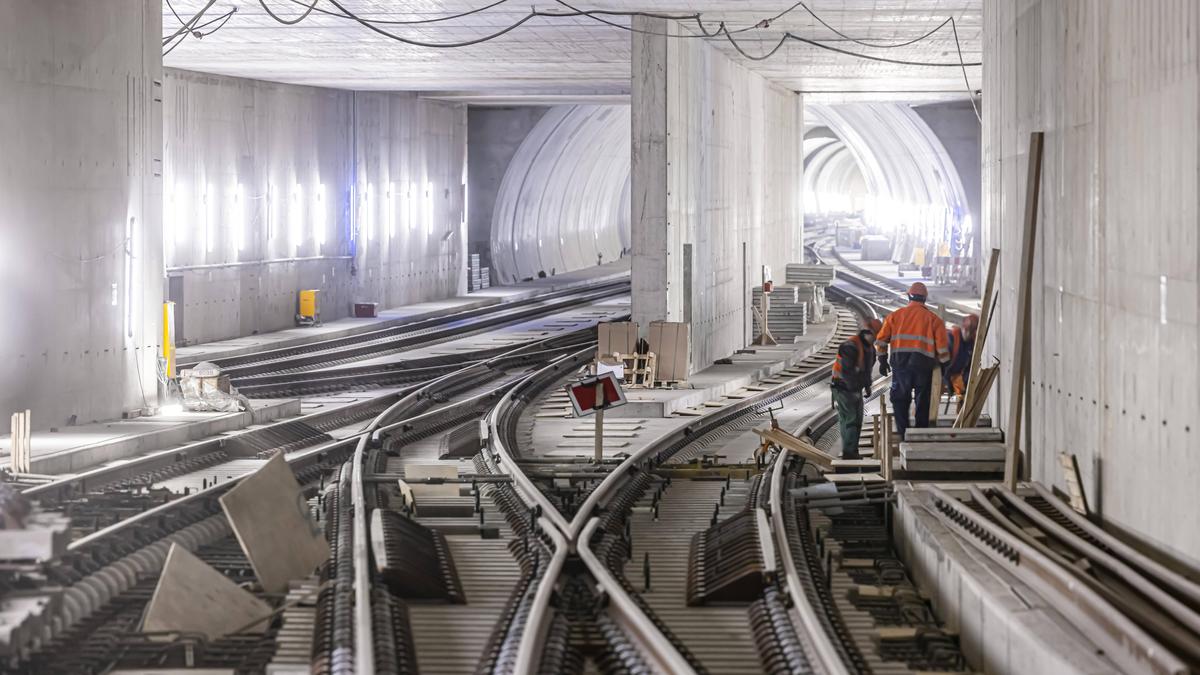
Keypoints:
pixel 962 344
pixel 852 383
pixel 911 344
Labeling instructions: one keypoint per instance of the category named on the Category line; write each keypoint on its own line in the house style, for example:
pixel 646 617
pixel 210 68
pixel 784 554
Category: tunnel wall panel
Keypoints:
pixel 80 229
pixel 274 188
pixel 560 206
pixel 1115 375
pixel 493 136
pixel 717 187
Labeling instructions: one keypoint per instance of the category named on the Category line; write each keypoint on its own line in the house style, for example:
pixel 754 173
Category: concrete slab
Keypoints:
pixel 1003 625
pixel 712 384
pixel 397 315
pixel 73 449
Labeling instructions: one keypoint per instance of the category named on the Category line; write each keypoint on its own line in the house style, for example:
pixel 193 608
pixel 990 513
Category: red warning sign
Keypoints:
pixel 583 394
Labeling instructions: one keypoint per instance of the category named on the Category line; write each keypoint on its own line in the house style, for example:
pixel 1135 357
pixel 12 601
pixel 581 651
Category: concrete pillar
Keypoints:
pixel 80 207
pixel 716 187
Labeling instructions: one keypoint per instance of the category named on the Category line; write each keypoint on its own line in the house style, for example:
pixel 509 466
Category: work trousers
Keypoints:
pixel 907 382
pixel 849 405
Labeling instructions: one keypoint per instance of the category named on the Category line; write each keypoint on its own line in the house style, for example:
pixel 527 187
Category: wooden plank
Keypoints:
pixel 590 444
pixel 1021 357
pixel 270 516
pixel 981 333
pixel 855 463
pixel 192 597
pixel 1070 467
pixel 853 478
pixel 604 431
pixel 950 466
pixel 946 434
pixel 967 451
pixel 417 471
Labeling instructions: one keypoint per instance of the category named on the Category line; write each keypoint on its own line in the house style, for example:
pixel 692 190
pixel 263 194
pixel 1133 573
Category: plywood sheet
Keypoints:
pixel 192 597
pixel 269 515
pixel 616 337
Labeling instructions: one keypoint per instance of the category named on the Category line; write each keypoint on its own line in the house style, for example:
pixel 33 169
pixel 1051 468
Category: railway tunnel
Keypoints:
pixel 495 337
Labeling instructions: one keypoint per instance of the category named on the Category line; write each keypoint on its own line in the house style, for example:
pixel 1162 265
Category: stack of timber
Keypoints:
pixel 949 450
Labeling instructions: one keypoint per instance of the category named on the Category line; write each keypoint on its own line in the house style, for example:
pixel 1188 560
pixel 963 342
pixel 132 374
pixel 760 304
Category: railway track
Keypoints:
pixel 131 513
pixel 527 564
pixel 1144 616
pixel 290 370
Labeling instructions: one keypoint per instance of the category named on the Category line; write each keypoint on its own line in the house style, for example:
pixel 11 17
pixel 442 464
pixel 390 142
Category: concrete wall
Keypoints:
pixel 717 185
pixel 80 191
pixel 273 188
pixel 564 202
pixel 955 125
pixel 1115 374
pixel 493 136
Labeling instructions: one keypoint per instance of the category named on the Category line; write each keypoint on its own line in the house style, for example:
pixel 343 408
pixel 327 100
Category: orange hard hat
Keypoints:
pixel 918 288
pixel 874 325
pixel 970 321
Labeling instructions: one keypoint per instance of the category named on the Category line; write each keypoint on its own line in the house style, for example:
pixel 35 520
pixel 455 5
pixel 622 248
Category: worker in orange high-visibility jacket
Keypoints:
pixel 962 345
pixel 852 383
pixel 911 344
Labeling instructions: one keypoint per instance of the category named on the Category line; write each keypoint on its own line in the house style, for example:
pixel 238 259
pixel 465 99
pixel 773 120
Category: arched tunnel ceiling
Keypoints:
pixel 564 201
pixel 573 58
pixel 887 151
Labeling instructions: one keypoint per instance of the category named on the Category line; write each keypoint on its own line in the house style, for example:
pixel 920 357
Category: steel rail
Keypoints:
pixel 825 653
pixel 1123 640
pixel 654 646
pixel 533 637
pixel 397 327
pixel 1160 574
pixel 316 355
pixel 363 611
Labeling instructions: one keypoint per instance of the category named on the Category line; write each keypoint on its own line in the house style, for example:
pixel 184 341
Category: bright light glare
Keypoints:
pixel 172 409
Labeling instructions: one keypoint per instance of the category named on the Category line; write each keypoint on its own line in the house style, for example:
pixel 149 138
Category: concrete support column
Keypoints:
pixel 656 286
pixel 81 276
pixel 716 187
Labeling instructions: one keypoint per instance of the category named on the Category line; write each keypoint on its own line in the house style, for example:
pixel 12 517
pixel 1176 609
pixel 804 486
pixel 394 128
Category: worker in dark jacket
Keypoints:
pixel 962 345
pixel 911 344
pixel 852 383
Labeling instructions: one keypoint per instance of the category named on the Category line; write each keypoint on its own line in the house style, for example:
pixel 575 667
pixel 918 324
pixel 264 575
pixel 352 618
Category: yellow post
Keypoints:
pixel 168 337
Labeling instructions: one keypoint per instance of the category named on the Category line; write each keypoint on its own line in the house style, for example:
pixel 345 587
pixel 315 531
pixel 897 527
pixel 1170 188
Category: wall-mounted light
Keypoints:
pixel 272 211
pixel 296 217
pixel 428 208
pixel 318 222
pixel 412 206
pixel 369 211
pixel 208 203
pixel 238 219
pixel 391 210
pixel 180 214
